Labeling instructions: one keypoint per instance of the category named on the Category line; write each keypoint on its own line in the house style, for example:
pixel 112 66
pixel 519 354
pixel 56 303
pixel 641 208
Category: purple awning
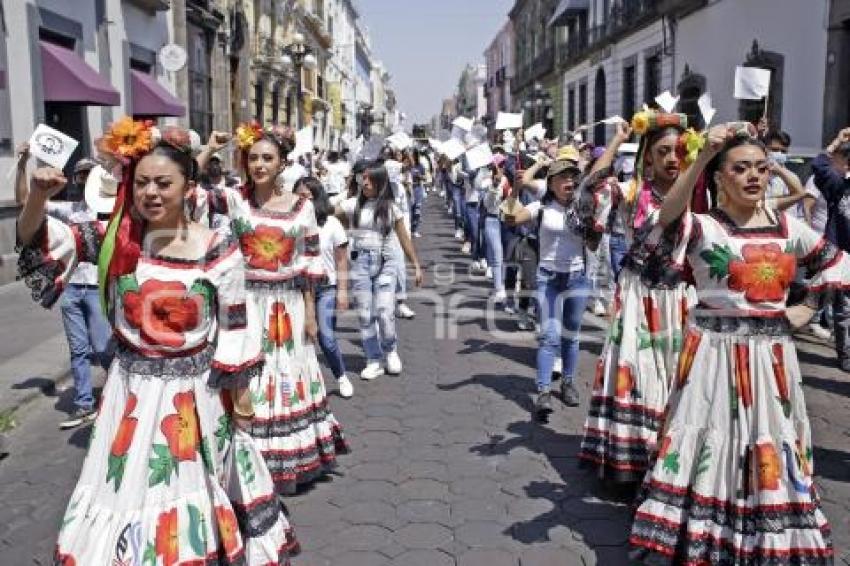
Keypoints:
pixel 152 99
pixel 67 78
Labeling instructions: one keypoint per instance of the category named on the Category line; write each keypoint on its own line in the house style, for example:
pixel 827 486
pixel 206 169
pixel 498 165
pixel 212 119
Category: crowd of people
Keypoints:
pixel 218 285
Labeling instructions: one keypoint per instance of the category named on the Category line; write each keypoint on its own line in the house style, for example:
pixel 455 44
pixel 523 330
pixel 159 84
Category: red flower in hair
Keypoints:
pixel 177 137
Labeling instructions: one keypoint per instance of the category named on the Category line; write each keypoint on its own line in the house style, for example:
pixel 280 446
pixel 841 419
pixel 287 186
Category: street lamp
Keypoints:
pixel 298 55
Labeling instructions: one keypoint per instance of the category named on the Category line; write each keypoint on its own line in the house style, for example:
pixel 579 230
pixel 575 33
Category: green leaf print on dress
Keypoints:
pixel 718 259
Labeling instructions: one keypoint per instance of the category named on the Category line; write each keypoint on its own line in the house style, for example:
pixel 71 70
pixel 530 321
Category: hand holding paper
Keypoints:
pixel 52 146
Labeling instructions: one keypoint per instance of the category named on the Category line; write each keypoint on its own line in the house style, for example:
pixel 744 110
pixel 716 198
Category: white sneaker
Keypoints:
pixel 510 308
pixel 500 297
pixel 417 235
pixel 819 331
pixel 459 235
pixel 346 389
pixel 466 248
pixel 599 309
pixel 373 370
pixel 404 311
pixel 393 363
pixel 488 273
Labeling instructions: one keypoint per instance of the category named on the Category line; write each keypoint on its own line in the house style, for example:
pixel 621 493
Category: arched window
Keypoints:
pixel 599 95
pixel 753 110
pixel 690 88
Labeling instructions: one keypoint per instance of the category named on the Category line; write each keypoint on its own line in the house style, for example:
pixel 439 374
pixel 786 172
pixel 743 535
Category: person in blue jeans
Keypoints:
pixel 86 329
pixel 334 293
pixel 455 187
pixel 562 284
pixel 371 218
pixel 417 174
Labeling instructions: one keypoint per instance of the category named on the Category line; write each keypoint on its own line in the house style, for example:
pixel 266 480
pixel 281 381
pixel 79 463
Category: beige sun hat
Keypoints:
pixel 101 190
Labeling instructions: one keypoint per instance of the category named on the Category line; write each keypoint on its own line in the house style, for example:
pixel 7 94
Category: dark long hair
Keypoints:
pixel 720 159
pixel 284 146
pixel 648 141
pixel 321 204
pixel 380 180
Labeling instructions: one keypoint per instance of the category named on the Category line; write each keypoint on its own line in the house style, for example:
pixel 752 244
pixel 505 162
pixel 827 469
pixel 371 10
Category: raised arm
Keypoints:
pixel 621 136
pixel 679 197
pixel 217 141
pixel 44 183
pixel 796 192
pixel 21 191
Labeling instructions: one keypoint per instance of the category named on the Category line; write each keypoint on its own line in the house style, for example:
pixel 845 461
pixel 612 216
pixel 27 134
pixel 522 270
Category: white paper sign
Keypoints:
pixel 355 148
pixel 508 121
pixel 458 133
pixel 667 101
pixel 435 144
pixel 751 83
pixel 479 156
pixel 303 143
pixel 615 119
pixel 52 146
pixel 463 123
pixel 535 131
pixel 400 140
pixel 706 108
pixel 453 149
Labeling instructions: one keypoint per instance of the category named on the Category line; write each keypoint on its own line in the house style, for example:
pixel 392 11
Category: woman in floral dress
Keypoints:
pixel 168 479
pixel 279 236
pixel 732 482
pixel 651 302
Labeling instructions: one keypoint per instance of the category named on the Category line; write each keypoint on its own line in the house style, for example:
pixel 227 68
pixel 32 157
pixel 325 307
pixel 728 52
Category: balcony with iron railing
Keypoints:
pixel 624 18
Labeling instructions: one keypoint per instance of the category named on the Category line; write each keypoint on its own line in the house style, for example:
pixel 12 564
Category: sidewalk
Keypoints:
pixel 33 352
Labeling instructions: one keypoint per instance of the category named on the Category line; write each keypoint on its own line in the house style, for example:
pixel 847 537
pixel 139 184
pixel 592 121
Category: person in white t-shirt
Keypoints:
pixel 333 294
pixel 337 175
pixel 372 219
pixel 562 283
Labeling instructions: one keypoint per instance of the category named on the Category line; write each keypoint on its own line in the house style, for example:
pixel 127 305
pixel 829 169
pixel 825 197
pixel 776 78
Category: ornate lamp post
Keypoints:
pixel 300 56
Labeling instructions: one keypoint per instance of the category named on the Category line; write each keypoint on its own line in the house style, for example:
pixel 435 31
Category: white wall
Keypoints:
pixel 715 39
pixel 638 44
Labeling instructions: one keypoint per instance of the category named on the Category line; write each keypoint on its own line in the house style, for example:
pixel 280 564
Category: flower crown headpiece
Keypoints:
pixel 128 140
pixel 249 133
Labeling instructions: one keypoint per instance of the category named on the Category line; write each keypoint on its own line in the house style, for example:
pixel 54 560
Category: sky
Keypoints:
pixel 425 44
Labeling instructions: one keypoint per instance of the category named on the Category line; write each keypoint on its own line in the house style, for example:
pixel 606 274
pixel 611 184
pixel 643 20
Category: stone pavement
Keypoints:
pixel 447 468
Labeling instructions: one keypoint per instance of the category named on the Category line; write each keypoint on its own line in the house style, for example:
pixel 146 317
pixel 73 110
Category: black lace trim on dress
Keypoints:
pixel 745 326
pixel 233 377
pixel 182 367
pixel 38 271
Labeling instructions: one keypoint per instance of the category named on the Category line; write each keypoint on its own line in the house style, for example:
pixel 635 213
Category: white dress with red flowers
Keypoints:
pixel 167 478
pixel 732 482
pixel 638 362
pixel 294 427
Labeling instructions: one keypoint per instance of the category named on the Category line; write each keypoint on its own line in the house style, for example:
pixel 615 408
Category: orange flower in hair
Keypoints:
pixel 247 134
pixel 127 139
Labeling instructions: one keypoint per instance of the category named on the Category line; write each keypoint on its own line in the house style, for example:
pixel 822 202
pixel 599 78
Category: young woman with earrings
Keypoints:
pixel 277 230
pixel 170 475
pixel 731 482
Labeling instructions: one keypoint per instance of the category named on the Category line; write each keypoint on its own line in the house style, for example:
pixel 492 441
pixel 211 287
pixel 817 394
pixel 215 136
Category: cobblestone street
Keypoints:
pixel 447 467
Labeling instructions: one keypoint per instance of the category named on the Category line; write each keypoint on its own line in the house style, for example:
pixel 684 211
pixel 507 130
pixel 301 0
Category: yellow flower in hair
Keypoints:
pixel 689 145
pixel 247 134
pixel 127 139
pixel 640 123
